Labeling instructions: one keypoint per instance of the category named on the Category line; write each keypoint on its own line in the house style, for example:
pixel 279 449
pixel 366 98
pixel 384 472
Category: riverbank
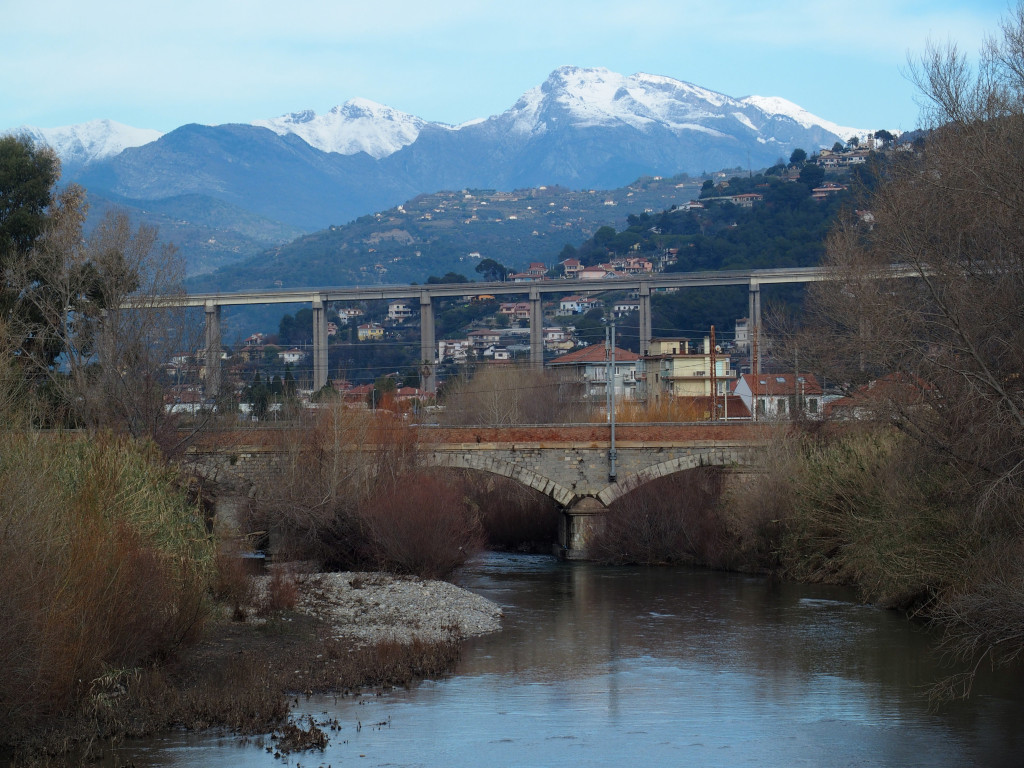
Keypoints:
pixel 342 633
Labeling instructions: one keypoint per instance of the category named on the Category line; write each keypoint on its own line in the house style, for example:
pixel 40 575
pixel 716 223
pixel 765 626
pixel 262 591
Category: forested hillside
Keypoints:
pixel 786 228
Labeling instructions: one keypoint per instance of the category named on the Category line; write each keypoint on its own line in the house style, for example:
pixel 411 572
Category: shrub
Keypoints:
pixel 421 525
pixel 104 564
pixel 670 520
pixel 311 504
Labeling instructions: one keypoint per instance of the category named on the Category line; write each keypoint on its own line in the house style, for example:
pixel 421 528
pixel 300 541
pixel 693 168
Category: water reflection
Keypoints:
pixel 602 667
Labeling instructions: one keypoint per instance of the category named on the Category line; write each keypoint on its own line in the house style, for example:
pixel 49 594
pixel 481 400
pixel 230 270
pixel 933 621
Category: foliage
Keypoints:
pixel 447 278
pixel 504 395
pixel 27 177
pixel 86 359
pixel 491 270
pixel 420 524
pixel 349 496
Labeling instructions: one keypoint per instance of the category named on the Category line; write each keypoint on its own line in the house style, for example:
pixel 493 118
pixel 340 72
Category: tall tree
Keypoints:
pixel 85 312
pixel 492 270
pixel 945 348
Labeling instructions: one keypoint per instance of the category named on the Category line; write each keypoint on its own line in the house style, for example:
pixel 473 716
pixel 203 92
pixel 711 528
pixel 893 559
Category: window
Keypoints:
pixel 812 405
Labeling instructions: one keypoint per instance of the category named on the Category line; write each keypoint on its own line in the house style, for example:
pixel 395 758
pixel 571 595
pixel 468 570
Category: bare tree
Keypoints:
pixel 100 360
pixel 505 395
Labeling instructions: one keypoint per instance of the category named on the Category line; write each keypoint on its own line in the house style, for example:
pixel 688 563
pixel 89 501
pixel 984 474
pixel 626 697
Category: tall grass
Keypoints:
pixel 104 565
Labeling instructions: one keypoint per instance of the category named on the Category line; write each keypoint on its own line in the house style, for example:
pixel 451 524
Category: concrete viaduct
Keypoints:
pixel 568 463
pixel 319 298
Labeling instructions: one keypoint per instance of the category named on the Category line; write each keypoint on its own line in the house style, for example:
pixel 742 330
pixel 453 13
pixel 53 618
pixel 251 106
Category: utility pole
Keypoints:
pixel 610 397
pixel 714 377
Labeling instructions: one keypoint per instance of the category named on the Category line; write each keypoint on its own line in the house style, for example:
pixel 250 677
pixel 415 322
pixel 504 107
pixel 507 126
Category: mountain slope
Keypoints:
pixel 279 177
pixel 358 125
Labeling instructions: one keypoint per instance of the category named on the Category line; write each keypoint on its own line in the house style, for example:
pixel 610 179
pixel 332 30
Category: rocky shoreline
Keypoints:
pixel 366 608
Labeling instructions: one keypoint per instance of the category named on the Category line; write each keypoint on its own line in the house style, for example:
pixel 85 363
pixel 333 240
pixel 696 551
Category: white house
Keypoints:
pixel 347 313
pixel 575 305
pixel 454 350
pixel 780 395
pixel 292 356
pixel 399 310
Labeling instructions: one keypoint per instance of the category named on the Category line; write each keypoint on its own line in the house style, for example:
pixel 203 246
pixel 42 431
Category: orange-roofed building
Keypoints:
pixel 583 373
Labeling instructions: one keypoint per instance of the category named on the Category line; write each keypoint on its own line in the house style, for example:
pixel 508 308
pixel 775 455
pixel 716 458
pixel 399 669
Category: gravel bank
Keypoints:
pixel 368 607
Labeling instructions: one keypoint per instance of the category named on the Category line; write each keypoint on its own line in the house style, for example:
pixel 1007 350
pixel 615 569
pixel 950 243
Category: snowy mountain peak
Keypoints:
pixel 776 105
pixel 88 142
pixel 358 125
pixel 591 97
pixel 598 96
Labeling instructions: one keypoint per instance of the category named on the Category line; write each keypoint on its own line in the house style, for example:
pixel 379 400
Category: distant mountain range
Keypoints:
pixel 224 193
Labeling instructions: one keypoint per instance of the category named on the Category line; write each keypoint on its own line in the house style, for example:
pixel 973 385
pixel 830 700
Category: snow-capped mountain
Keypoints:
pixel 582 97
pixel 776 105
pixel 84 143
pixel 582 128
pixel 597 97
pixel 358 125
pixel 576 97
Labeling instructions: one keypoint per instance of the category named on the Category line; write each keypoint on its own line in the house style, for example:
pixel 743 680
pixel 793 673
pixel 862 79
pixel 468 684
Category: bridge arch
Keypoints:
pixel 461 460
pixel 710 457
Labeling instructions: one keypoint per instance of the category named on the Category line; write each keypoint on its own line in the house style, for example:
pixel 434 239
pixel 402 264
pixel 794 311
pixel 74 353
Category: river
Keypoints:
pixel 600 666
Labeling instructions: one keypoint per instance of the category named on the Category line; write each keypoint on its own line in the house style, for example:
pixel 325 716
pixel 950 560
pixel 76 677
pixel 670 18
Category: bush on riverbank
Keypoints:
pixel 857 506
pixel 671 520
pixel 105 565
pixel 421 525
pixel 350 496
pixel 865 506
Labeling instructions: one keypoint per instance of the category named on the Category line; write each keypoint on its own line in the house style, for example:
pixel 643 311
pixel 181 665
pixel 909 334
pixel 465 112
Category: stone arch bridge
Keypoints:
pixel 572 464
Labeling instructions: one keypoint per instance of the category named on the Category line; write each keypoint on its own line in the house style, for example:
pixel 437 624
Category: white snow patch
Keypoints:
pixel 776 105
pixel 358 125
pixel 740 117
pixel 90 141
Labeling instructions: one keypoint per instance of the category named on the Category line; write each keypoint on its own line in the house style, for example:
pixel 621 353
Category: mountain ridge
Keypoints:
pixel 582 128
pixel 360 124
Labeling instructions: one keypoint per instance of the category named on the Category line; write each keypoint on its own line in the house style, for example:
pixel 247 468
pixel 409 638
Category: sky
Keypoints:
pixel 162 65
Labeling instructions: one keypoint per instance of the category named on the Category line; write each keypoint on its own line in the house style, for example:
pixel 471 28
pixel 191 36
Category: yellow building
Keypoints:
pixel 674 368
pixel 370 332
